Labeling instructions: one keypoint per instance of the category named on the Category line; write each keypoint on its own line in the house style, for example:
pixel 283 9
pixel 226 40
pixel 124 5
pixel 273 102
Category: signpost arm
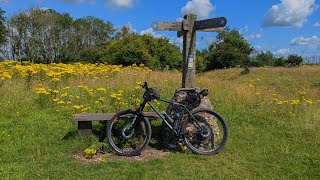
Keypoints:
pixel 189 52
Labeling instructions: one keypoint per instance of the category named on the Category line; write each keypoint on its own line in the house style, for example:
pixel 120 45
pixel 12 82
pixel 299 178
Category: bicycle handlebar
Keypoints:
pixel 145 86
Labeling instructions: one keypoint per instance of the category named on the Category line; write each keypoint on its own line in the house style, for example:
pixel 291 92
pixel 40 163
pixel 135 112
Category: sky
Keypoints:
pixel 280 26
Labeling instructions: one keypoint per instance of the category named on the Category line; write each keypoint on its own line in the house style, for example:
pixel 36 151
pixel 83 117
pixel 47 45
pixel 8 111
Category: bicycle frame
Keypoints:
pixel 142 105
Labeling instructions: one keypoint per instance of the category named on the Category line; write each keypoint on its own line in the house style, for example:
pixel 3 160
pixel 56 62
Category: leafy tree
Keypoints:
pixel 3 29
pixel 200 61
pixel 47 36
pixel 294 60
pixel 123 32
pixel 280 61
pixel 265 59
pixel 230 50
pixel 156 53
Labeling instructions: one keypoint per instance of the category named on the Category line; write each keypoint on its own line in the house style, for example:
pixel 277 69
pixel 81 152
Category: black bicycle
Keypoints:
pixel 203 130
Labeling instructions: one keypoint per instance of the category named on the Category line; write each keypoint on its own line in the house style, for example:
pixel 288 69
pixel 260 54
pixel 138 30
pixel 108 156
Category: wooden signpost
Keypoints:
pixel 188 28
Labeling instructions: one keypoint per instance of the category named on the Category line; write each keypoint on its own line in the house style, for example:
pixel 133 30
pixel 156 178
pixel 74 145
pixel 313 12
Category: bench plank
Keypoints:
pixel 85 120
pixel 105 116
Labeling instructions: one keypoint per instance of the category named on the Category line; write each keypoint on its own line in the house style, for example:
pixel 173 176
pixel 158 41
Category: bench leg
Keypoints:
pixel 85 128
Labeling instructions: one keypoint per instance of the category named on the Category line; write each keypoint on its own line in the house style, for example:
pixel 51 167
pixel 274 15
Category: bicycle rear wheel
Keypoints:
pixel 206 134
pixel 128 133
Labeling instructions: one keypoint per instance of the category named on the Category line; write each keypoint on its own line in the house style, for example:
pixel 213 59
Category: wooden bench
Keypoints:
pixel 85 120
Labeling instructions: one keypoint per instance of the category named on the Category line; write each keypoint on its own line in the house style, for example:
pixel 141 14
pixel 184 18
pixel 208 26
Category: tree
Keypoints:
pixel 156 53
pixel 46 36
pixel 229 50
pixel 3 29
pixel 265 59
pixel 294 60
pixel 280 61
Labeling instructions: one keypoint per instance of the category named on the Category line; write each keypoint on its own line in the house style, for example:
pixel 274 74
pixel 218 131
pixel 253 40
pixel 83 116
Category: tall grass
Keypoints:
pixel 273 115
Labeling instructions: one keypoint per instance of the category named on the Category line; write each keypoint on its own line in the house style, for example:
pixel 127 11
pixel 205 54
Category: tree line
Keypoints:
pixel 47 36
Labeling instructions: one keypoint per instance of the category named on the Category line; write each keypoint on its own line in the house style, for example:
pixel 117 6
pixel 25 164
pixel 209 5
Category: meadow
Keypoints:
pixel 273 116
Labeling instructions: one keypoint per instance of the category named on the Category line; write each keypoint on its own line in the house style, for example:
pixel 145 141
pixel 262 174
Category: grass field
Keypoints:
pixel 273 116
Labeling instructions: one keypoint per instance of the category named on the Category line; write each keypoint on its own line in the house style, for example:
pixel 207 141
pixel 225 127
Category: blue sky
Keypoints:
pixel 280 26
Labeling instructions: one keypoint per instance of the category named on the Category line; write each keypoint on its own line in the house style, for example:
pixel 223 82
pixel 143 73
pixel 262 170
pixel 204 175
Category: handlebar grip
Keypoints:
pixel 145 85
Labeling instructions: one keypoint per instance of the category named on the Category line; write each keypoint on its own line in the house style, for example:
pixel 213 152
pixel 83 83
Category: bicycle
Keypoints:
pixel 203 131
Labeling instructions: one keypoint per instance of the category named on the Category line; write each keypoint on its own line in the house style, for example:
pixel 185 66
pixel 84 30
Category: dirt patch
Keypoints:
pixel 146 155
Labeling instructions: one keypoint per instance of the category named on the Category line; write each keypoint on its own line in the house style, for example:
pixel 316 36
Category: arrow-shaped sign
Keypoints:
pixel 210 23
pixel 167 26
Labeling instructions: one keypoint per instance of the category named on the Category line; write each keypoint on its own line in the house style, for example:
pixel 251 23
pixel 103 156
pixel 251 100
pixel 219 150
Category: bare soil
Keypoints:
pixel 146 155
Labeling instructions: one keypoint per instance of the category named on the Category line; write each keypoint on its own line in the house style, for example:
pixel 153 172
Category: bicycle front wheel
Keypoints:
pixel 206 133
pixel 128 133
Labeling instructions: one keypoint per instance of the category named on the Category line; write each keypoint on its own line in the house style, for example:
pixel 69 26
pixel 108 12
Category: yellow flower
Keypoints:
pixel 308 101
pixel 77 106
pixel 60 102
pixel 56 100
pixel 90 153
pixel 55 79
pixel 295 102
pixel 302 92
pixel 55 91
pixel 102 89
pixel 102 159
pixel 42 91
pixel 251 86
pixel 280 102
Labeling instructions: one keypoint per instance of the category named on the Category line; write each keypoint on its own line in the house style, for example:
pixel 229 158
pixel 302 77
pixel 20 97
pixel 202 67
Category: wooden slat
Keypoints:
pixel 167 26
pixel 91 117
pixel 105 116
pixel 210 23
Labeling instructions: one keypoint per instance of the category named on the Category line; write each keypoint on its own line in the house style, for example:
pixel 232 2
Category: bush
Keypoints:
pixel 294 60
pixel 156 53
pixel 280 62
pixel 230 50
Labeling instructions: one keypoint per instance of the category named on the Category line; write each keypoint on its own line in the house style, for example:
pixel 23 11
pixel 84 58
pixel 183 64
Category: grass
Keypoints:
pixel 268 140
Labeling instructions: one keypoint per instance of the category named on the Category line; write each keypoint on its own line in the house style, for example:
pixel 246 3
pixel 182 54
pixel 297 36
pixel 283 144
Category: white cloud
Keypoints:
pixel 302 41
pixel 244 30
pixel 317 24
pixel 282 52
pixel 4 2
pixel 180 19
pixel 92 2
pixel 259 47
pixel 202 8
pixel 254 36
pixel 290 13
pixel 119 4
pixel 151 32
pixel 44 8
pixel 177 41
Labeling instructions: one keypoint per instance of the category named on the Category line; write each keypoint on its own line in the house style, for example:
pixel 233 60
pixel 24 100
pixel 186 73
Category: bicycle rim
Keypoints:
pixel 128 133
pixel 206 136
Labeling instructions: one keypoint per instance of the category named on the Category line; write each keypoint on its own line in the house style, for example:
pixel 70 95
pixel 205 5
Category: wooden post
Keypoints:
pixel 189 51
pixel 188 28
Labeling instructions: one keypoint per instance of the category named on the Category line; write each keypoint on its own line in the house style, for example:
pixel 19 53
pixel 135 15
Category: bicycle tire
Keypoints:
pixel 122 127
pixel 209 141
